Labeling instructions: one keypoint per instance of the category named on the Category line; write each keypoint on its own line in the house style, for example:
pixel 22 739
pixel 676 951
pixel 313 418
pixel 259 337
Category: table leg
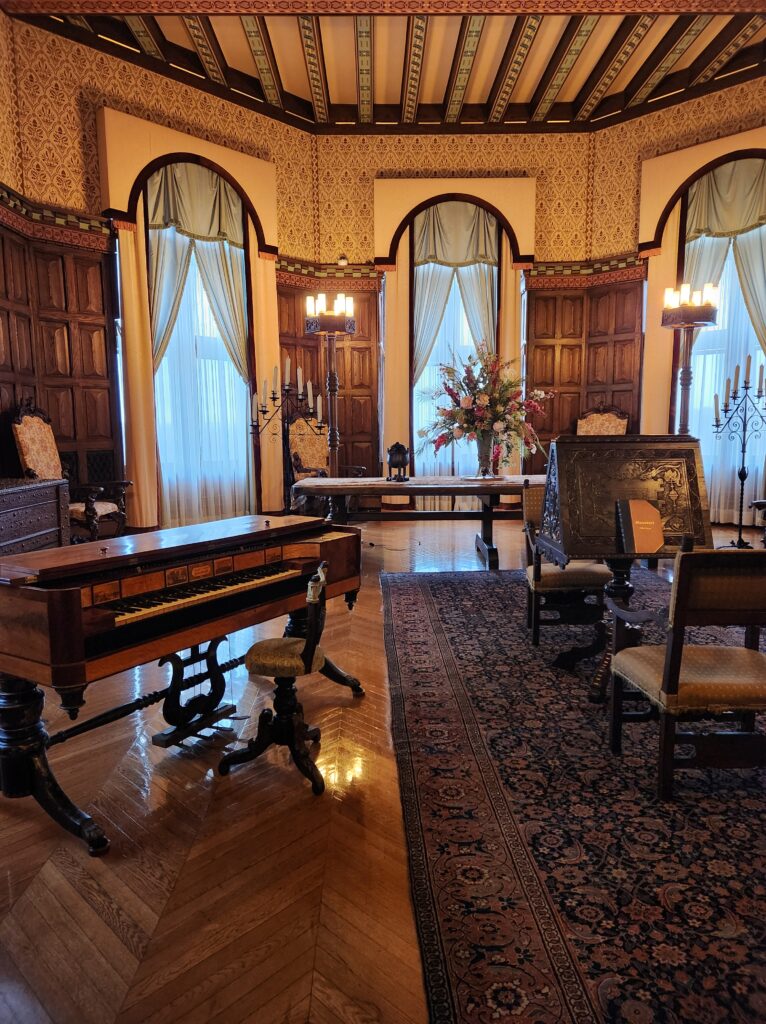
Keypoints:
pixel 485 546
pixel 337 511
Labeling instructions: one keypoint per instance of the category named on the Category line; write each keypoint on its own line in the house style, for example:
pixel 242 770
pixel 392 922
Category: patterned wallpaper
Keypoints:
pixel 348 166
pixel 61 85
pixel 620 150
pixel 10 157
pixel 587 184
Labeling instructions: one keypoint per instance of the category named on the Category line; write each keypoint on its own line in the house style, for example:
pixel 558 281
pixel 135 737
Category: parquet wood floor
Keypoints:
pixel 239 899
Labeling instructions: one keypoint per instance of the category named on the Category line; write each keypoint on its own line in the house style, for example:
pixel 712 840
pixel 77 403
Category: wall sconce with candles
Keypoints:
pixel 330 323
pixel 687 310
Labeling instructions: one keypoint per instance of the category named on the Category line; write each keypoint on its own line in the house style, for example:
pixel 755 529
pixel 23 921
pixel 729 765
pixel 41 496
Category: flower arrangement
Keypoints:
pixel 484 404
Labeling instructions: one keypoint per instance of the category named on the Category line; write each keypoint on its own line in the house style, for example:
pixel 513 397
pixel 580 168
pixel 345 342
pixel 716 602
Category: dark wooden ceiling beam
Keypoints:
pixel 311 40
pixel 617 54
pixel 363 35
pixel 732 38
pixel 147 34
pixel 468 40
pixel 569 48
pixel 417 28
pixel 522 36
pixel 206 44
pixel 263 57
pixel 666 54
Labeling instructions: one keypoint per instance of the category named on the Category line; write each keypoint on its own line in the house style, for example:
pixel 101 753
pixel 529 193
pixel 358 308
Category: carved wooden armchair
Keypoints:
pixel 552 589
pixel 602 420
pixel 90 504
pixel 683 682
pixel 308 455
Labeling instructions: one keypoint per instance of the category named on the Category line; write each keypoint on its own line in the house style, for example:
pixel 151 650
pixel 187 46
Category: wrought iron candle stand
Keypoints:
pixel 743 424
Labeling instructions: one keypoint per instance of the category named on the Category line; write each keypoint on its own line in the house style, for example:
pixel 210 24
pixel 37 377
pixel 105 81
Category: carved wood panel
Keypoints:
pixel 357 365
pixel 56 337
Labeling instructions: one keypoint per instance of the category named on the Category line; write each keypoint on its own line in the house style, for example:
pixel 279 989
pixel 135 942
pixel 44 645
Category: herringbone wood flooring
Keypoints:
pixel 243 899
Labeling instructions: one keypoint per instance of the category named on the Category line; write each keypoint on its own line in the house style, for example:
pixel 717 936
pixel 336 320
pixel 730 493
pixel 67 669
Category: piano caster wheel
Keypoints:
pixel 356 688
pixel 317 787
pixel 98 847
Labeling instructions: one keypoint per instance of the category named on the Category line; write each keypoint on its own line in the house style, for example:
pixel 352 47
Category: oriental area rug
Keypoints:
pixel 550 884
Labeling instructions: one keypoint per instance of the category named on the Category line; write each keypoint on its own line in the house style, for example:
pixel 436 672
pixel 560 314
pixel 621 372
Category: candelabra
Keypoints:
pixel 686 311
pixel 743 421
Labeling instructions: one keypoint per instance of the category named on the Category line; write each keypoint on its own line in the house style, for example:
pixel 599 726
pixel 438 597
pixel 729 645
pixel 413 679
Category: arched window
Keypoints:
pixel 455 307
pixel 198 305
pixel 726 245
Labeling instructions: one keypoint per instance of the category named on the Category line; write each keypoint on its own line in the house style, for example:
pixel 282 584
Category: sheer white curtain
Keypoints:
pixel 716 352
pixel 202 418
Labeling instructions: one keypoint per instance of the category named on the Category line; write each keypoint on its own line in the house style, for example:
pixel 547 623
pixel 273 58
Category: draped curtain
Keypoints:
pixel 195 223
pixel 726 244
pixel 455 309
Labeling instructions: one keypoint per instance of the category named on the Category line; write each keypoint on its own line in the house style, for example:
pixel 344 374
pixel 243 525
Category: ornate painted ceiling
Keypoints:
pixel 425 72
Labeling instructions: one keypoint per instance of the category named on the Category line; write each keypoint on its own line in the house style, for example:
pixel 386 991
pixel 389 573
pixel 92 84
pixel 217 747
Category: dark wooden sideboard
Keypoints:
pixel 33 514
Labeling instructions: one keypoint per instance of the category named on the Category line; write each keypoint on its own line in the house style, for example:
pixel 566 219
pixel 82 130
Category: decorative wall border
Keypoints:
pixel 53 225
pixel 295 273
pixel 423 7
pixel 585 274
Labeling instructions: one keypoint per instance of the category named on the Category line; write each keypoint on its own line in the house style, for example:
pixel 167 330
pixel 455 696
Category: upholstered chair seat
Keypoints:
pixel 282 656
pixel 101 508
pixel 578 575
pixel 712 679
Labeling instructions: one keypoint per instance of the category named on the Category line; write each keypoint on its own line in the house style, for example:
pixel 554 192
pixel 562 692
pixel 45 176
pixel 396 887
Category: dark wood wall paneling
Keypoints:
pixel 585 346
pixel 57 346
pixel 357 368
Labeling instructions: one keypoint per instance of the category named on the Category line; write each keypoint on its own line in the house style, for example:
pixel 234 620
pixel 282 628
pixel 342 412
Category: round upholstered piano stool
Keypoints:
pixel 285 659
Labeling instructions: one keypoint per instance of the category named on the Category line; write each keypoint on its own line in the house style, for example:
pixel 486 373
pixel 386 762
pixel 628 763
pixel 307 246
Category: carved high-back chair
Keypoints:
pixel 687 682
pixel 308 455
pixel 92 504
pixel 564 592
pixel 602 420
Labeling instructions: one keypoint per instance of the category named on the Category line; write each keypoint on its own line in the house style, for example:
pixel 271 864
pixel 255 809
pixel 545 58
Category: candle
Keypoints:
pixel 726 395
pixel 254 407
pixel 697 298
pixel 349 306
pixel 760 380
pixel 321 306
pixel 685 293
pixel 265 390
pixel 717 411
pixel 736 378
pixel 300 380
pixel 669 301
pixel 319 408
pixel 287 371
pixel 310 306
pixel 747 370
pixel 310 389
pixel 276 379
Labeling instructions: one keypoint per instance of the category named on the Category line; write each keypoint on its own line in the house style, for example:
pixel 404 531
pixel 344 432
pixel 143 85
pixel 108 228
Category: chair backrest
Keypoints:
pixel 315 603
pixel 719 588
pixel 36 444
pixel 602 420
pixel 307 447
pixel 532 499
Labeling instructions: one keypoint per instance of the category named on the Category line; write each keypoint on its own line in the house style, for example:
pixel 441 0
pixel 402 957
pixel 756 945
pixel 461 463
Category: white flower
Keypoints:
pixel 498 426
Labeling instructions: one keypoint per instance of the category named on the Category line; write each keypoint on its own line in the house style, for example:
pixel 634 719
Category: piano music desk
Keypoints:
pixel 71 616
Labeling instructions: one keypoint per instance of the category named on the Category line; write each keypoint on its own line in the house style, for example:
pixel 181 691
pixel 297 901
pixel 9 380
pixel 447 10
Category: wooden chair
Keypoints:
pixel 307 455
pixel 92 504
pixel 285 659
pixel 688 682
pixel 760 506
pixel 552 589
pixel 602 420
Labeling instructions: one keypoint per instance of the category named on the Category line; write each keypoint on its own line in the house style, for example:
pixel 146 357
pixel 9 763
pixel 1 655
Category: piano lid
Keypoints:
pixel 157 545
pixel 588 475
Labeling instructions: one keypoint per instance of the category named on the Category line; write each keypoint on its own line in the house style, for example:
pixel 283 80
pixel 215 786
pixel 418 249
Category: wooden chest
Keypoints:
pixel 33 514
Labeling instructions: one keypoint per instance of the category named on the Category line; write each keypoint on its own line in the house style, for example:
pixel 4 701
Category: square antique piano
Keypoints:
pixel 71 616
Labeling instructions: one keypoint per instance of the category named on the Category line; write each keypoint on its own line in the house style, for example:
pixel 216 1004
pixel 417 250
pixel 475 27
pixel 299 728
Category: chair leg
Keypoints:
pixel 529 608
pixel 615 713
pixel 667 755
pixel 535 619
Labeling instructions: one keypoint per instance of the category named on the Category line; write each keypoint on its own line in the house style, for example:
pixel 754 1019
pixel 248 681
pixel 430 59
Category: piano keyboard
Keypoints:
pixel 146 606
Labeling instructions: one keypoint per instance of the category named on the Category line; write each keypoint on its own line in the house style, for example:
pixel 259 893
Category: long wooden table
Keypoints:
pixel 488 489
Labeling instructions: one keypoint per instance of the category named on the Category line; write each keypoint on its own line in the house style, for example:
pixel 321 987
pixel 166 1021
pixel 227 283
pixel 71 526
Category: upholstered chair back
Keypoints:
pixel 37 447
pixel 602 422
pixel 725 588
pixel 310 447
pixel 532 505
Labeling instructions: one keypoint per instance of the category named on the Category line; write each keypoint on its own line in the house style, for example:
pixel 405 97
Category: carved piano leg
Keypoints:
pixel 202 710
pixel 24 768
pixel 286 728
pixel 297 625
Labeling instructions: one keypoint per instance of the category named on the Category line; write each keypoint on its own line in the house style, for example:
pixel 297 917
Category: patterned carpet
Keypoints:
pixel 549 883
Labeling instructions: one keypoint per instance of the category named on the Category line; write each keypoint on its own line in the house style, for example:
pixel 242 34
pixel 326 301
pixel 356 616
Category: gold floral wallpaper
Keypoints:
pixel 587 184
pixel 10 157
pixel 620 150
pixel 61 84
